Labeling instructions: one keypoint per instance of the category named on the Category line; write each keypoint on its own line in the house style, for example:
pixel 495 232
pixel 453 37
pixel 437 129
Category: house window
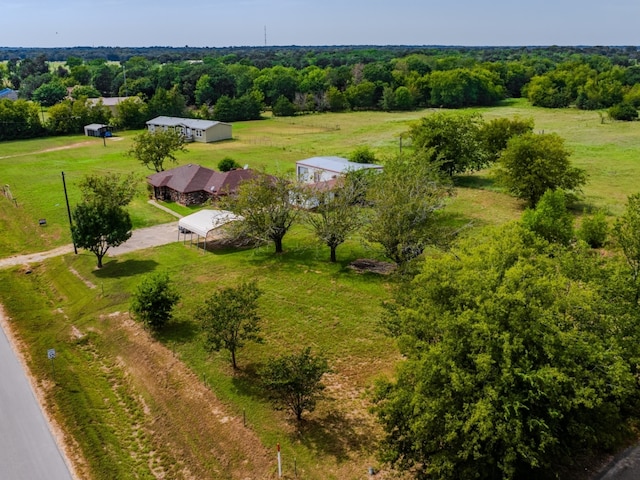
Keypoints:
pixel 303 173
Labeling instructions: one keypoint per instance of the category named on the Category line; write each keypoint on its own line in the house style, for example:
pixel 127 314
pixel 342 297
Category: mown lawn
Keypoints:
pixel 306 301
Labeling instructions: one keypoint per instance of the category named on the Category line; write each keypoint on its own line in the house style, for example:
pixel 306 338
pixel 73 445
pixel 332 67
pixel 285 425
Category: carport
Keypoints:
pixel 202 223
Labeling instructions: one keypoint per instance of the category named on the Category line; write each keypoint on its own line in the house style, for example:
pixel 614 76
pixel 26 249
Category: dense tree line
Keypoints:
pixel 233 85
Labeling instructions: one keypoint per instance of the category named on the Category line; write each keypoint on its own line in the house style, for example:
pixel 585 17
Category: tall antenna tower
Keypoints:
pixel 265 35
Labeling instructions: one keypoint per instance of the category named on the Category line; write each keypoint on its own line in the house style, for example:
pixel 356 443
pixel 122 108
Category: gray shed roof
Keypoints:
pixel 187 122
pixel 335 164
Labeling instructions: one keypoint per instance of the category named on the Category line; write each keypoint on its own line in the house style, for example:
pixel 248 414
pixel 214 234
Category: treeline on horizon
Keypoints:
pixel 239 83
pixel 301 56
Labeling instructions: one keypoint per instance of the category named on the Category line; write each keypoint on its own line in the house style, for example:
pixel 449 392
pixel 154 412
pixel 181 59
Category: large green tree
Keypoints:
pixel 152 149
pixel 405 200
pixel 534 163
pixel 229 318
pixel 267 206
pixel 627 232
pixel 98 227
pixel 452 141
pixel 517 362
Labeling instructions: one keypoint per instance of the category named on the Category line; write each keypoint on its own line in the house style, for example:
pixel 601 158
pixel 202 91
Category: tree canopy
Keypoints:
pixel 517 361
pixel 229 318
pixel 153 149
pixel 534 163
pixel 295 380
pixel 405 200
pixel 267 205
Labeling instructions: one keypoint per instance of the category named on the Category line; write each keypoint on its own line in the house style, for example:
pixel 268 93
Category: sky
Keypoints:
pixel 215 23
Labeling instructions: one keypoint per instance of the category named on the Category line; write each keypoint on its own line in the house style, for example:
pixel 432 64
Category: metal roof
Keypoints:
pixel 335 164
pixel 187 122
pixel 202 222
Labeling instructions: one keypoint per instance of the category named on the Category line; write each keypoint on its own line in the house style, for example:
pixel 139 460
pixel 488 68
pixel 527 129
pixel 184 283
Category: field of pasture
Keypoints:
pixel 138 406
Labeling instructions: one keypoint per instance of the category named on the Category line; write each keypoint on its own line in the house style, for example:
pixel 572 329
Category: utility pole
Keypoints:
pixel 66 197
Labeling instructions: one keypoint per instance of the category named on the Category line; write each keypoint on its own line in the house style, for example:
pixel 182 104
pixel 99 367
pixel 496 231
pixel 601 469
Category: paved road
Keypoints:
pixel 28 450
pixel 141 238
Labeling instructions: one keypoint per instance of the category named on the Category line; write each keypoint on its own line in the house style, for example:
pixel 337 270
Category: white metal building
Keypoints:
pixel 322 169
pixel 193 129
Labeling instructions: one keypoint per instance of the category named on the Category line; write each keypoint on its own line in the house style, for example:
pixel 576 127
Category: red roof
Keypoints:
pixel 194 178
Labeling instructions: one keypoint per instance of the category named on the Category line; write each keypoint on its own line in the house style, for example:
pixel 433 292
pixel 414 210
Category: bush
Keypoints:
pixel 227 164
pixel 550 218
pixel 363 154
pixel 283 107
pixel 623 111
pixel 154 300
pixel 594 230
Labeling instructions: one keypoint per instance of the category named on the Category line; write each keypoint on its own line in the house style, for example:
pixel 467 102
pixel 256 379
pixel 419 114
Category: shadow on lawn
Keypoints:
pixel 117 269
pixel 334 435
pixel 178 330
pixel 481 182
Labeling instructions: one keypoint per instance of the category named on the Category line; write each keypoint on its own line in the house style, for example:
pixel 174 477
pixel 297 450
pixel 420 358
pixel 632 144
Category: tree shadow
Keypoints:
pixel 246 381
pixel 478 182
pixel 333 434
pixel 178 331
pixel 117 269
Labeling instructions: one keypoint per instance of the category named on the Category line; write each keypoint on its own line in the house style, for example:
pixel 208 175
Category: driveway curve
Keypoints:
pixel 140 239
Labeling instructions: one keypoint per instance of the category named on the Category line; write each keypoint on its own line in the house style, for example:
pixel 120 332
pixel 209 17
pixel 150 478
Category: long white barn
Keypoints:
pixel 193 129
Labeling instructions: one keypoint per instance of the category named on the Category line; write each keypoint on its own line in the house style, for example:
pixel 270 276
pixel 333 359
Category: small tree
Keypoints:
pixel 98 227
pixel 284 107
pixel 550 219
pixel 230 318
pixel 335 214
pixel 153 149
pixel 265 203
pixel 227 164
pixel 154 300
pixel 621 111
pixel 534 163
pixel 294 381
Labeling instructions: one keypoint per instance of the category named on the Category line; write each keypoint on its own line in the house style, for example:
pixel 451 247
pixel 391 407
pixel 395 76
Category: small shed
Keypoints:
pixel 98 130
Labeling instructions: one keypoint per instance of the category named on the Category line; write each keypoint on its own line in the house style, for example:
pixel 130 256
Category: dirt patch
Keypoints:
pixel 363 265
pixel 185 418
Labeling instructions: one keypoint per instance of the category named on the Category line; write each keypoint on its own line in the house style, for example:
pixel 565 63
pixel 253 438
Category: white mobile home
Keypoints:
pixel 204 131
pixel 322 169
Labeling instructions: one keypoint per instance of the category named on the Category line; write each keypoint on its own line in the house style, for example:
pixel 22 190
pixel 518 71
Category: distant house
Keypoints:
pixel 110 102
pixel 9 94
pixel 193 184
pixel 323 169
pixel 97 130
pixel 205 131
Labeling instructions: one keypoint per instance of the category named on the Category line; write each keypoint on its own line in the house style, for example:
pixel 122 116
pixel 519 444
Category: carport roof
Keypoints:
pixel 203 221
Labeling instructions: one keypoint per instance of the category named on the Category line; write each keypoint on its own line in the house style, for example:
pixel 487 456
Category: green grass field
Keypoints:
pixel 109 408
